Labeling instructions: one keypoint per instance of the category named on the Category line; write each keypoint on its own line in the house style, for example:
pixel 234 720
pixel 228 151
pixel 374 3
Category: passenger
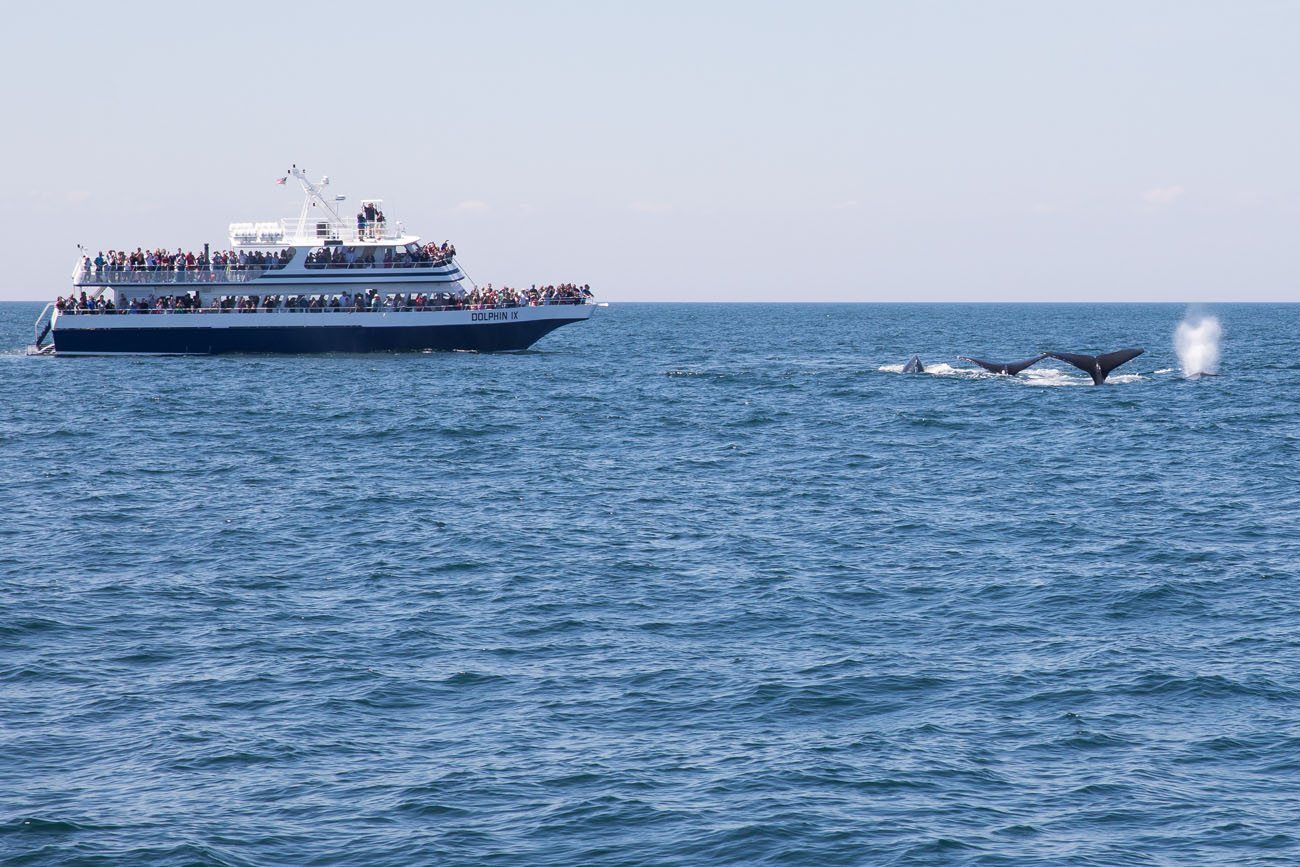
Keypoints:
pixel 161 266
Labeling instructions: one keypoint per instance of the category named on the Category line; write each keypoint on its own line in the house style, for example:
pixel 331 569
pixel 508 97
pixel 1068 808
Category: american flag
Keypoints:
pixel 281 181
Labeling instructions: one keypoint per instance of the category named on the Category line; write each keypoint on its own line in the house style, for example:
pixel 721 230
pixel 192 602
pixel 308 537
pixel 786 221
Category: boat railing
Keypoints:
pixel 159 275
pixel 91 275
pixel 294 230
pixel 44 323
pixel 368 308
pixel 362 266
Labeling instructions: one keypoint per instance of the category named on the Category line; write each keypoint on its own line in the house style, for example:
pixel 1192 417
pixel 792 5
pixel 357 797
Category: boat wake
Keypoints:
pixel 23 351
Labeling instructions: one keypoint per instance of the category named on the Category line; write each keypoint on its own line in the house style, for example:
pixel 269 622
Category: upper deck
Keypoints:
pixel 288 232
pixel 320 222
pixel 317 244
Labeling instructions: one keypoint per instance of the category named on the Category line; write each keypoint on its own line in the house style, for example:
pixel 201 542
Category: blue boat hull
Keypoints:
pixel 290 339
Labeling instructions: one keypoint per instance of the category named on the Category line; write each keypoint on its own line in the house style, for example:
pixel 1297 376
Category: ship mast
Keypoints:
pixel 314 196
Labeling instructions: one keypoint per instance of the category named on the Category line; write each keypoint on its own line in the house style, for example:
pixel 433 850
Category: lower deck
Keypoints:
pixel 298 331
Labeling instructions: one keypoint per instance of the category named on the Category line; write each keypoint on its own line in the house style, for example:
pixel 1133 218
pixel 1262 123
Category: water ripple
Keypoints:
pixel 687 584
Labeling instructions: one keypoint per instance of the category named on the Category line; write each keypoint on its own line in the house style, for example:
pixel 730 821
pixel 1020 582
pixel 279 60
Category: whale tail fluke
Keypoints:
pixel 914 365
pixel 1098 366
pixel 1009 368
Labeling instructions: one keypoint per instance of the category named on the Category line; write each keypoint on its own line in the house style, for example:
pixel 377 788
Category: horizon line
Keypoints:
pixel 833 301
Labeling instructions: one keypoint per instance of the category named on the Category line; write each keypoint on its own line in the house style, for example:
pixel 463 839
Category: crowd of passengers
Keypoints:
pixel 486 298
pixel 143 266
pixel 124 265
pixel 353 257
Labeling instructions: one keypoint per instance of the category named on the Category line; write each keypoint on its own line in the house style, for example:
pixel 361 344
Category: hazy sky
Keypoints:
pixel 694 150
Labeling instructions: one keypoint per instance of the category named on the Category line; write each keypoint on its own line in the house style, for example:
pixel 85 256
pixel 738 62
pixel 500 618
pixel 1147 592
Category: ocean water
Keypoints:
pixel 687 584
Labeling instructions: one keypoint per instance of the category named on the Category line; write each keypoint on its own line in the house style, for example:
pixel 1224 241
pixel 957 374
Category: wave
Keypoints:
pixel 1035 376
pixel 41 825
pixel 937 369
pixel 1051 377
pixel 557 608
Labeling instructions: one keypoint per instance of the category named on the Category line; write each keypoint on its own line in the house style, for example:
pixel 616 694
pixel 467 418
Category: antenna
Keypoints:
pixel 314 198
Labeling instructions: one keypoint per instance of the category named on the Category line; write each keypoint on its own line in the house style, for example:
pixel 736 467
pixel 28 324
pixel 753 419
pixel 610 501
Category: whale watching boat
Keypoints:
pixel 315 283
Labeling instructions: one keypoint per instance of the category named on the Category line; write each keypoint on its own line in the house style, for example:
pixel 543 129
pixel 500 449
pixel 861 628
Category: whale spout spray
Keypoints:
pixel 1197 342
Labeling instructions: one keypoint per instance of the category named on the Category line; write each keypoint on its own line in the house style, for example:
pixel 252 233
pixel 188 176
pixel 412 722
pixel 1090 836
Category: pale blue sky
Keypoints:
pixel 683 150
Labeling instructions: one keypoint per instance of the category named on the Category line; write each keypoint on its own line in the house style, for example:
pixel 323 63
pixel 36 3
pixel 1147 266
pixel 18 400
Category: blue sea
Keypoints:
pixel 686 584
